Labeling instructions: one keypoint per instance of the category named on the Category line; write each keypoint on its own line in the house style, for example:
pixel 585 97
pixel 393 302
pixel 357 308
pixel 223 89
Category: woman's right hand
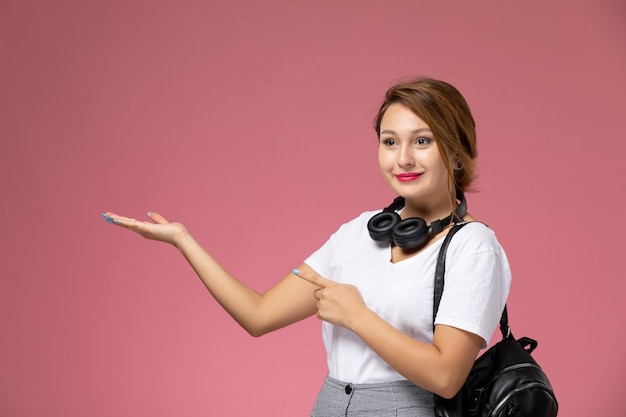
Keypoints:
pixel 158 229
pixel 287 302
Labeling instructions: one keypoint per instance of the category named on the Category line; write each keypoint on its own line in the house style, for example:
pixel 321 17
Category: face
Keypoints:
pixel 410 161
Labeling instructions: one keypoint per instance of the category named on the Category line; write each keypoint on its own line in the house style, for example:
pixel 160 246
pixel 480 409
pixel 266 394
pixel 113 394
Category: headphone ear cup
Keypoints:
pixel 410 233
pixel 381 226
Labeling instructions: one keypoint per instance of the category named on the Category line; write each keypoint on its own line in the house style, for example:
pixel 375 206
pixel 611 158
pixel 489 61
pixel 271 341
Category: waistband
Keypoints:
pixel 375 385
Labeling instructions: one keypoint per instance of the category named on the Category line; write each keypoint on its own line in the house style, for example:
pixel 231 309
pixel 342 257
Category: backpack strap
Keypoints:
pixel 440 271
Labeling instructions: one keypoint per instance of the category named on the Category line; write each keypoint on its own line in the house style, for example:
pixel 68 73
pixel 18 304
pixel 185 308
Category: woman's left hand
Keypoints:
pixel 337 303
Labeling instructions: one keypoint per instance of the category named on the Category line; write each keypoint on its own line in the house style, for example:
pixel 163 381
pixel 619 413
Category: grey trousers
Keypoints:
pixel 400 398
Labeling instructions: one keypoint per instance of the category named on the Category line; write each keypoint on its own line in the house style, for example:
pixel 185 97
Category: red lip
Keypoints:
pixel 408 176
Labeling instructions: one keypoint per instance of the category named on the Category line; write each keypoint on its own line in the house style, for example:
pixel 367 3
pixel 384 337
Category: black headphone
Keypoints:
pixel 413 232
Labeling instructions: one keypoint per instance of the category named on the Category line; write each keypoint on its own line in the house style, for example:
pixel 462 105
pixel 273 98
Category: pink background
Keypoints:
pixel 250 122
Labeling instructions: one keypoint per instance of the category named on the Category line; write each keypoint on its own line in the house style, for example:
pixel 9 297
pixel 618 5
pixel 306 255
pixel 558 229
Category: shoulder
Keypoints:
pixel 352 230
pixel 359 222
pixel 475 237
pixel 346 243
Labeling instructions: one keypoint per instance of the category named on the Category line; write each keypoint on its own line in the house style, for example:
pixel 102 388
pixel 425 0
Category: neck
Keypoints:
pixel 439 209
pixel 429 213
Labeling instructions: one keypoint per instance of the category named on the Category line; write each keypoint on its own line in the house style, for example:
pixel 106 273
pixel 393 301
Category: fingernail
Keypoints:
pixel 295 271
pixel 115 221
pixel 107 218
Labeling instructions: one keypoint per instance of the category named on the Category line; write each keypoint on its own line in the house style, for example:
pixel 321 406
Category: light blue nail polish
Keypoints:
pixel 107 218
pixel 295 271
pixel 115 221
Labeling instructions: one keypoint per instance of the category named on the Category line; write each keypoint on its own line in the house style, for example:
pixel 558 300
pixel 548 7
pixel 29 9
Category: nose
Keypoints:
pixel 405 157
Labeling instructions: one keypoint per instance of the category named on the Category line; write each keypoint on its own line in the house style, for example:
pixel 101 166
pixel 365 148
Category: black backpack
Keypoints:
pixel 505 380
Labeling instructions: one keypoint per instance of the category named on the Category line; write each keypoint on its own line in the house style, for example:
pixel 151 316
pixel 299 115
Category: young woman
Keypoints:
pixel 372 282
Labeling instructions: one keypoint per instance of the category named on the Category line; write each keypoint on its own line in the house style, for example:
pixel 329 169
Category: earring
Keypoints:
pixel 458 165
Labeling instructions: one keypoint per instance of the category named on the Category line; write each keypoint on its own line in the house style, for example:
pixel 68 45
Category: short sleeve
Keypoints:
pixel 477 282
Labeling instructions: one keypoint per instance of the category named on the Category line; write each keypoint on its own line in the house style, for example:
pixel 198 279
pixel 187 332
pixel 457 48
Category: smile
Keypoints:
pixel 408 176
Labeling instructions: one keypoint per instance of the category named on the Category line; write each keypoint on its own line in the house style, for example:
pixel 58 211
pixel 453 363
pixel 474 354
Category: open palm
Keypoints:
pixel 157 229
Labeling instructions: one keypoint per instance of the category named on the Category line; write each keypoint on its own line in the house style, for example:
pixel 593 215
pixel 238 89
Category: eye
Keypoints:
pixel 389 142
pixel 423 141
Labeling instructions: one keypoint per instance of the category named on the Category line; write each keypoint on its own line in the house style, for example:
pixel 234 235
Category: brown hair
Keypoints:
pixel 442 107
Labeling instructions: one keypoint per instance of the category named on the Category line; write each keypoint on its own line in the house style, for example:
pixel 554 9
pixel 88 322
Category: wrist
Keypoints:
pixel 359 319
pixel 183 240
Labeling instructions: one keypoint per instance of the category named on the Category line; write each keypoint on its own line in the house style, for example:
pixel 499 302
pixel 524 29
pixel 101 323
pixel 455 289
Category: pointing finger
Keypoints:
pixel 313 278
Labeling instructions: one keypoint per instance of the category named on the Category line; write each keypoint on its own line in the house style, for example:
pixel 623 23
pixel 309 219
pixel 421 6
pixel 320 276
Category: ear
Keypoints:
pixel 454 161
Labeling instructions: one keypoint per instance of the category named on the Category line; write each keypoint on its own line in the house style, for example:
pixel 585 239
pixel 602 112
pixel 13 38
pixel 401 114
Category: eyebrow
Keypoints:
pixel 425 129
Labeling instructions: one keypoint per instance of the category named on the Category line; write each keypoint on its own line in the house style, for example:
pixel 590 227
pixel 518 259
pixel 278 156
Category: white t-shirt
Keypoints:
pixel 477 283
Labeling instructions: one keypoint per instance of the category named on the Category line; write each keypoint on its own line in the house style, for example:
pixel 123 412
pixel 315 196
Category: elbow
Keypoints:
pixel 448 386
pixel 254 331
pixel 257 330
pixel 448 392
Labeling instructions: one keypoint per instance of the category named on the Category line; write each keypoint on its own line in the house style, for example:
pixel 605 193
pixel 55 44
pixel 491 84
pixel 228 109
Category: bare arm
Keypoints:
pixel 441 367
pixel 287 302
